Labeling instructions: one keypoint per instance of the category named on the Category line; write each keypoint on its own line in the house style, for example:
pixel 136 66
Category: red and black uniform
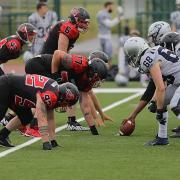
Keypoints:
pixel 10 48
pixel 65 27
pixel 19 94
pixel 77 69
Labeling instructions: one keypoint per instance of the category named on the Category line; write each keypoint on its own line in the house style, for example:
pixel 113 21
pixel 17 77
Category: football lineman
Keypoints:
pixel 85 73
pixel 155 33
pixel 21 93
pixel 63 36
pixel 162 65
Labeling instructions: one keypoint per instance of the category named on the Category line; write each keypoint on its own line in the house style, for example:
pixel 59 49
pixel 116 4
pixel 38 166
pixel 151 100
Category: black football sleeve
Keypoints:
pixel 148 94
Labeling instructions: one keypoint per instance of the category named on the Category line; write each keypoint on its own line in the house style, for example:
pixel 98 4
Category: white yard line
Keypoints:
pixel 111 106
pixel 118 90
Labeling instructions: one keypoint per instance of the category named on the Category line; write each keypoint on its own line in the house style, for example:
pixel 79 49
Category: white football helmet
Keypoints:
pixel 134 47
pixel 156 31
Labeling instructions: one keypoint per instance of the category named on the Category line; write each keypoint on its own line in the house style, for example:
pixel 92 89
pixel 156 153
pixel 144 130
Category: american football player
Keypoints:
pixel 11 46
pixel 63 36
pixel 85 73
pixel 155 33
pixel 21 93
pixel 161 64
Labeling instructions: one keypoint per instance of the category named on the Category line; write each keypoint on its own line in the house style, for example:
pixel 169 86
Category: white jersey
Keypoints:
pixel 175 19
pixel 170 63
pixel 42 24
pixel 177 49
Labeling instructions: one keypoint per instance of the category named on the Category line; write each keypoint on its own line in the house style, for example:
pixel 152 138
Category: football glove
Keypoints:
pixel 152 107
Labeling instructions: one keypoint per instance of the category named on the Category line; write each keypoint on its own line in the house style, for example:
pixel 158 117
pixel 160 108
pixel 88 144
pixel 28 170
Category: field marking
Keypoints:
pixel 119 90
pixel 27 143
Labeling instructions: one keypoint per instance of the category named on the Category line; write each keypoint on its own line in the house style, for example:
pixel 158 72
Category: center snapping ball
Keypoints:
pixel 127 127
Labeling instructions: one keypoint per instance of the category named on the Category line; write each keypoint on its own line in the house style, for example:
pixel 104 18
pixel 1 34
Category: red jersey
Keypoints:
pixel 65 27
pixel 10 48
pixel 23 90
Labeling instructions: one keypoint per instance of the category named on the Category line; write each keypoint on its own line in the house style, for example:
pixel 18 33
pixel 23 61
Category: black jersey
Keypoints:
pixel 77 74
pixel 64 27
pixel 23 90
pixel 10 48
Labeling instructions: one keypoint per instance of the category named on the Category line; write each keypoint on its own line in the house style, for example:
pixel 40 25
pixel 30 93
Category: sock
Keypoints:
pixel 71 119
pixel 9 116
pixel 162 132
pixel 4 132
pixel 34 124
pixel 94 130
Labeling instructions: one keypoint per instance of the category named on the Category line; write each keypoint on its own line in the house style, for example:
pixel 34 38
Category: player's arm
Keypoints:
pixel 156 75
pixel 173 27
pixel 86 110
pixel 98 106
pixel 60 58
pixel 63 42
pixel 41 114
pixel 51 124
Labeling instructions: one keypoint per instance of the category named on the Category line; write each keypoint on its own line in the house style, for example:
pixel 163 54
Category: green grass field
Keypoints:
pixel 107 157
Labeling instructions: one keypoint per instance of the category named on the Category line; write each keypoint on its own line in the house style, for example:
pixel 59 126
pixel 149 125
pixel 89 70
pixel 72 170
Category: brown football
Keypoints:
pixel 126 128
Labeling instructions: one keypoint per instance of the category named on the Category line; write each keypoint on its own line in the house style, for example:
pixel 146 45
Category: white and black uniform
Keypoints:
pixel 175 19
pixel 42 24
pixel 170 69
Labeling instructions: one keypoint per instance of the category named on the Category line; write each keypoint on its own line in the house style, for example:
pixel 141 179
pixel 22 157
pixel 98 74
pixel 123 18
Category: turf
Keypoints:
pixel 107 157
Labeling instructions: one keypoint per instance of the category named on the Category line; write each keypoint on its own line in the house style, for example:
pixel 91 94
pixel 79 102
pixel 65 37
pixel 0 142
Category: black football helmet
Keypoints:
pixel 170 40
pixel 99 54
pixel 81 18
pixel 68 94
pixel 97 71
pixel 27 33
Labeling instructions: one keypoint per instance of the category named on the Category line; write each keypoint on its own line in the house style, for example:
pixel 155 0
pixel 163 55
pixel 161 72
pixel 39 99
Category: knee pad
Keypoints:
pixel 176 110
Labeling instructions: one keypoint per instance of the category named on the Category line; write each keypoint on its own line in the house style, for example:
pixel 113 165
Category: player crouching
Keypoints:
pixel 21 93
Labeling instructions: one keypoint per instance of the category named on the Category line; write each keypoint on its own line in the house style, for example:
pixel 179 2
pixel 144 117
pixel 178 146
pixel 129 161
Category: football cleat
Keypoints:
pixel 158 141
pixel 32 132
pixel 176 129
pixel 175 135
pixel 22 130
pixel 5 142
pixel 54 144
pixel 47 146
pixel 75 126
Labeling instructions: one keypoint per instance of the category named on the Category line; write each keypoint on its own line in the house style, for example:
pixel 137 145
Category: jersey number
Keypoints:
pixel 67 30
pixel 148 61
pixel 36 81
pixel 168 55
pixel 19 101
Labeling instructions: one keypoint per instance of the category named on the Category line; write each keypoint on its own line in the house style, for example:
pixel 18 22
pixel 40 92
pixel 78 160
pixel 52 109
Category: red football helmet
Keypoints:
pixel 68 94
pixel 81 18
pixel 27 33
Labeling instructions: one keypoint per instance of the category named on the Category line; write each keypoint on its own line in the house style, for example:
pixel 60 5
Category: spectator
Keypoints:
pixel 43 19
pixel 175 18
pixel 105 23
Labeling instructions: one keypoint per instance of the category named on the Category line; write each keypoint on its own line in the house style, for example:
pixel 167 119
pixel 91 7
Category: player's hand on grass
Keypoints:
pixel 105 117
pixel 99 123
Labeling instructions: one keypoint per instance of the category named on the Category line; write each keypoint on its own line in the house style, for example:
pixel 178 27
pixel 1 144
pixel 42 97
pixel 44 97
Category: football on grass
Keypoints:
pixel 127 127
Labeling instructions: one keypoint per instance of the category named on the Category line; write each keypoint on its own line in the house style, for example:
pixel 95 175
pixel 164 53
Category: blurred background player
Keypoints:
pixel 42 19
pixel 175 18
pixel 105 23
pixel 11 46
